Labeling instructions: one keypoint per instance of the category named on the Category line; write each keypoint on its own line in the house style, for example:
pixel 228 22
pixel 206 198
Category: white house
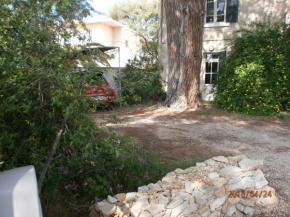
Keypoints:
pixel 112 35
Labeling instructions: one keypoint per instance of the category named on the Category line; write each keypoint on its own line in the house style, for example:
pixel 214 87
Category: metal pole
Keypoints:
pixel 120 82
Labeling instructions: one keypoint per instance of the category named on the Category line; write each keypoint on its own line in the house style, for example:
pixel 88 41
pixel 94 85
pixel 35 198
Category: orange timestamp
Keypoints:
pixel 251 194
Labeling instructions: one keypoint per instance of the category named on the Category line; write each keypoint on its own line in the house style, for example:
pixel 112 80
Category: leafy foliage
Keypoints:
pixel 113 165
pixel 39 83
pixel 141 16
pixel 141 82
pixel 42 94
pixel 255 78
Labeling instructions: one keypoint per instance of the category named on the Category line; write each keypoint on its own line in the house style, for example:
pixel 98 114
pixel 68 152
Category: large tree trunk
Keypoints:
pixel 184 20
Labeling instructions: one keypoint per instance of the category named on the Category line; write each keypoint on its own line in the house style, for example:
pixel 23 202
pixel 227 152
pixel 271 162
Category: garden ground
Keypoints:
pixel 179 135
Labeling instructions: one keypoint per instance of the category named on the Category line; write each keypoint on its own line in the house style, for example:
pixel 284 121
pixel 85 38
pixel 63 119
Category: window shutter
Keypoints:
pixel 232 11
pixel 222 57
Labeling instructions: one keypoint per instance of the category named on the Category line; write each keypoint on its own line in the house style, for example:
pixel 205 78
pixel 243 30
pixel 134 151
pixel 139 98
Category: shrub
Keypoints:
pixel 141 82
pixel 110 166
pixel 254 78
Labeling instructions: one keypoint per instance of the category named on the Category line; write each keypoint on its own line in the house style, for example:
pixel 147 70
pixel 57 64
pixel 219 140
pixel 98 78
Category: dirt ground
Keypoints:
pixel 208 131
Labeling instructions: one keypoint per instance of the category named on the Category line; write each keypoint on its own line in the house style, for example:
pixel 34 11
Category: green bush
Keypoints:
pixel 255 77
pixel 42 96
pixel 141 83
pixel 110 166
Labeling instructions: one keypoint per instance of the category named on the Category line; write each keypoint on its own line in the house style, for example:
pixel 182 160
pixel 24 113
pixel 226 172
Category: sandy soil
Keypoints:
pixel 208 131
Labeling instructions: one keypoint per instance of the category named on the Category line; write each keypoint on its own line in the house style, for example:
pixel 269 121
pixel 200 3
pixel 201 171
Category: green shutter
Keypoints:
pixel 232 11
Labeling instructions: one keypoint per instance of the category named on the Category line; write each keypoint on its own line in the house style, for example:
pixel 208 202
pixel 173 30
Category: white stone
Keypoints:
pixel 203 187
pixel 167 213
pixel 145 214
pixel 230 172
pixel 189 186
pixel 197 193
pixel 173 193
pixel 210 162
pixel 106 208
pixel 162 199
pixel 190 169
pixel 143 189
pixel 156 209
pixel 246 182
pixel 191 199
pixel 248 164
pixel 136 210
pixel 217 203
pixel 181 177
pixel 249 210
pixel 180 171
pixel 233 181
pixel 154 187
pixel 230 210
pixel 213 175
pixel 120 197
pixel 174 203
pixel 220 192
pixel 168 179
pixel 177 210
pixel 240 207
pixel 267 201
pixel 189 209
pixel 260 180
pixel 200 164
pixel 207 196
pixel 248 201
pixel 130 196
pixel 247 173
pixel 214 214
pixel 237 158
pixel 205 213
pixel 141 201
pixel 183 196
pixel 257 211
pixel 238 213
pixel 219 182
pixel 160 214
pixel 221 159
pixel 111 199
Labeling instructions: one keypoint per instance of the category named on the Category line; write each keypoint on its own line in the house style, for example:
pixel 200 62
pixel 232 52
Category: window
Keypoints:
pixel 287 19
pixel 221 12
pixel 90 33
pixel 211 68
pixel 215 11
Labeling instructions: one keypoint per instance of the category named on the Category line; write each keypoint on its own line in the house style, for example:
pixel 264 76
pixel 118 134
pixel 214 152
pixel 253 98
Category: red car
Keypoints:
pixel 101 92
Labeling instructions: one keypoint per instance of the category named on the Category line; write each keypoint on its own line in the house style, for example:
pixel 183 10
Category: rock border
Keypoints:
pixel 221 186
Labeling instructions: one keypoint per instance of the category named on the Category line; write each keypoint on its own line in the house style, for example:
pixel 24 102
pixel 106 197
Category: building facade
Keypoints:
pixel 222 18
pixel 112 35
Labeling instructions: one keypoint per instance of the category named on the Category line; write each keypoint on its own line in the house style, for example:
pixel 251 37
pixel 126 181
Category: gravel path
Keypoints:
pixel 182 134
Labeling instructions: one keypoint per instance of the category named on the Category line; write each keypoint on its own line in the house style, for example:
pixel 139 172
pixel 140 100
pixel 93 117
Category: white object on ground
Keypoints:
pixel 19 193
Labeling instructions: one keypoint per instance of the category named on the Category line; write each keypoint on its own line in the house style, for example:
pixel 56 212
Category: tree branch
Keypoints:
pixel 52 152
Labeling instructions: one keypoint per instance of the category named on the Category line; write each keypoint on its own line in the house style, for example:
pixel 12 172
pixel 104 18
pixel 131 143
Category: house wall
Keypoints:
pixel 101 33
pixel 113 34
pixel 217 38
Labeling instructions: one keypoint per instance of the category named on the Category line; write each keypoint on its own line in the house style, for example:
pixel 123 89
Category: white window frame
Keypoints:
pixel 215 23
pixel 211 61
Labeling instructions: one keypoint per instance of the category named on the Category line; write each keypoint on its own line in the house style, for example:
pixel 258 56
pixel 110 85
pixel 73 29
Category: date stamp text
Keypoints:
pixel 249 194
